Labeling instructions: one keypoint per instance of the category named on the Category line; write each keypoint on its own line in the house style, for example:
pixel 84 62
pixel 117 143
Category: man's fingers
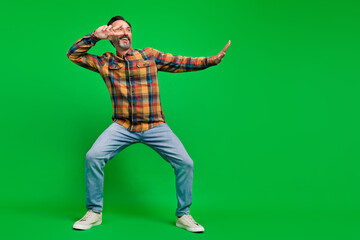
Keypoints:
pixel 226 46
pixel 221 54
pixel 108 28
pixel 116 28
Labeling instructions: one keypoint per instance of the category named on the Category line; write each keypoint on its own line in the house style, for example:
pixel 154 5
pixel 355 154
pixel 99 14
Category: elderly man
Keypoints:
pixel 131 78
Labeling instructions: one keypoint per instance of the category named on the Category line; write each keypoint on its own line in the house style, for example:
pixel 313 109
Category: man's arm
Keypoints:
pixel 78 53
pixel 169 63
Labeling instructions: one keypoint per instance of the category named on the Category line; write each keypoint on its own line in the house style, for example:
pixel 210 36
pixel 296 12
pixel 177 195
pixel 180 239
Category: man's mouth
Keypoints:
pixel 124 39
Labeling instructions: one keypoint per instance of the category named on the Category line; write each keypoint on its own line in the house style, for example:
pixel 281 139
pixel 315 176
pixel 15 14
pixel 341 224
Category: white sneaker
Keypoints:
pixel 188 223
pixel 90 219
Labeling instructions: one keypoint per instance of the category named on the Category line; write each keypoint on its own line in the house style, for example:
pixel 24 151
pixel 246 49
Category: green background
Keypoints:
pixel 273 130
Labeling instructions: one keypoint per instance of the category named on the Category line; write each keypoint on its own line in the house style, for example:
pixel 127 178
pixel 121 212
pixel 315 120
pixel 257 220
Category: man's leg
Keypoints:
pixel 114 139
pixel 162 139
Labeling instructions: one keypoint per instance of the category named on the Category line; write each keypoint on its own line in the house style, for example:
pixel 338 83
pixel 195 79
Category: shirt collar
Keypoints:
pixel 130 52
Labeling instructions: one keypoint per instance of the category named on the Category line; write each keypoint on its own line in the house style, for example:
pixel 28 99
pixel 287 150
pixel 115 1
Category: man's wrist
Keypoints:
pixel 94 37
pixel 212 61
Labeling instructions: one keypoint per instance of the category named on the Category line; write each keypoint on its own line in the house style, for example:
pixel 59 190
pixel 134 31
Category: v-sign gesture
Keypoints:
pixel 218 58
pixel 106 31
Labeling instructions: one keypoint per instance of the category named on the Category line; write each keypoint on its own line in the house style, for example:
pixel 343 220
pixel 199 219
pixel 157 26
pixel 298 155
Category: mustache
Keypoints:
pixel 124 36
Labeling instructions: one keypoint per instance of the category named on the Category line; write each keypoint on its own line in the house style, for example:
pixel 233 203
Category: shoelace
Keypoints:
pixel 192 220
pixel 84 218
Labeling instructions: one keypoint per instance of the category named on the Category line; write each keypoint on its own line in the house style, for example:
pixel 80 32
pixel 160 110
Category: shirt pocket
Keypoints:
pixel 142 63
pixel 116 74
pixel 142 68
pixel 116 66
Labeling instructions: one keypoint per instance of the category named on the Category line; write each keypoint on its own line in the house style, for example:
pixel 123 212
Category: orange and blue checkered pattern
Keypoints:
pixel 132 79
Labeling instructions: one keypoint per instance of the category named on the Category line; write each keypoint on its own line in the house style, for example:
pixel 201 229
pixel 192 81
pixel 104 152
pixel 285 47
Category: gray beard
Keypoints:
pixel 124 46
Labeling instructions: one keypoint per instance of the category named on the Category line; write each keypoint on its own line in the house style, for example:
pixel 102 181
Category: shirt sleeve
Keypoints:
pixel 167 62
pixel 78 53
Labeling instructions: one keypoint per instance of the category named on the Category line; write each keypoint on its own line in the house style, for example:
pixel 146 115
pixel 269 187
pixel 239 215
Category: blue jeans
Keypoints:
pixel 160 138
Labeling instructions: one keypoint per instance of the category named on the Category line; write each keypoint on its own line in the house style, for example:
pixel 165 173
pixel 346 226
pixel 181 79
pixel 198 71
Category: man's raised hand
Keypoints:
pixel 104 32
pixel 218 58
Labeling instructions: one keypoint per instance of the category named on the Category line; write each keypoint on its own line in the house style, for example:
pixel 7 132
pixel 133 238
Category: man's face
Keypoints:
pixel 123 40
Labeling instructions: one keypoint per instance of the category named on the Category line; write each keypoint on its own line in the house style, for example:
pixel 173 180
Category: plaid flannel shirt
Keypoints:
pixel 132 79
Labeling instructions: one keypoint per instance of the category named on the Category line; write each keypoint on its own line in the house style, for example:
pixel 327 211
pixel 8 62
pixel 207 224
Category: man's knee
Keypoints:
pixel 94 155
pixel 187 163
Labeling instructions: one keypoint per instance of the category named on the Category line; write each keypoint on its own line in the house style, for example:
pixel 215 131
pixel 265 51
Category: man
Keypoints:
pixel 131 78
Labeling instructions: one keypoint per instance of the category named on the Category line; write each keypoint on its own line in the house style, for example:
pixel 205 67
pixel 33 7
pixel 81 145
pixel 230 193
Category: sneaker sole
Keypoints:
pixel 81 227
pixel 194 230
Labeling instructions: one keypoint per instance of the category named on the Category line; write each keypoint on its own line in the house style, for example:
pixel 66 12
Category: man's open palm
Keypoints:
pixel 218 58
